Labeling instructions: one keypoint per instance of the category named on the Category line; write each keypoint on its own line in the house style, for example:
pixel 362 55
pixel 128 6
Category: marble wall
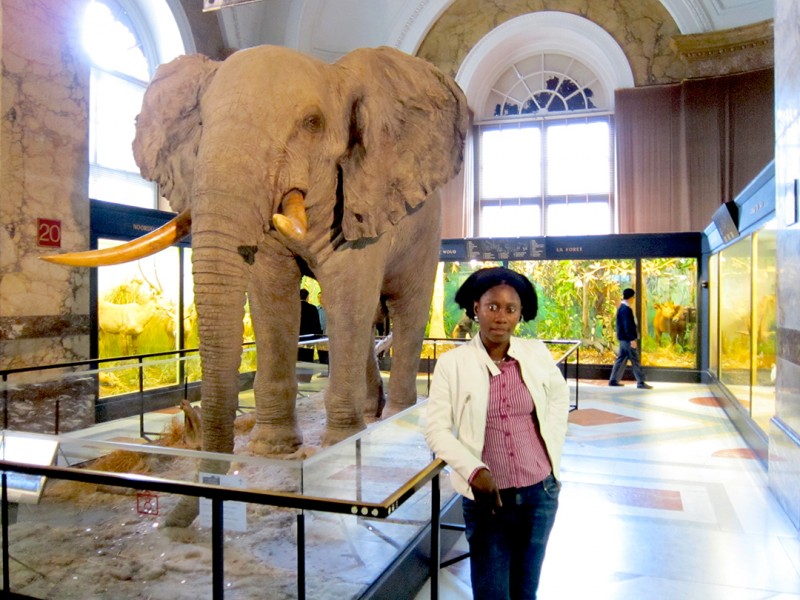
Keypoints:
pixel 43 175
pixel 784 460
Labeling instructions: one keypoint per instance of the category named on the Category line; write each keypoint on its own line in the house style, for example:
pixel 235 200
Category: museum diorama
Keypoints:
pixel 258 468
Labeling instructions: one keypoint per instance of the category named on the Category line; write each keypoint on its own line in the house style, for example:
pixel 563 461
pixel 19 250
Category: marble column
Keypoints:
pixel 44 106
pixel 784 449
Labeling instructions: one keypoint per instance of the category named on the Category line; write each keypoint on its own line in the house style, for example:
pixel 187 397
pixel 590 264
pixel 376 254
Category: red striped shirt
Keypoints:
pixel 513 448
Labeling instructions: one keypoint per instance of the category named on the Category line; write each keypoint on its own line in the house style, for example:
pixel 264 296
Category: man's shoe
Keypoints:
pixel 644 386
pixel 613 383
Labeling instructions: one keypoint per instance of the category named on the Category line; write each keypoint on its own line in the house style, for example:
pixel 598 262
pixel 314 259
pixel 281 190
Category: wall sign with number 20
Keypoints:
pixel 48 232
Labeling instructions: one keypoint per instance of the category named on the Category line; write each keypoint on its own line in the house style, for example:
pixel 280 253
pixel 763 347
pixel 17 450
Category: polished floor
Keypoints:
pixel 661 500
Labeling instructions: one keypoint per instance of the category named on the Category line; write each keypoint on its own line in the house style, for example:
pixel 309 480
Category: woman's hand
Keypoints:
pixel 486 492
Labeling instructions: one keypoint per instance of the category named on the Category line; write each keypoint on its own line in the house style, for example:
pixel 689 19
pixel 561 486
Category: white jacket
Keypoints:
pixel 459 400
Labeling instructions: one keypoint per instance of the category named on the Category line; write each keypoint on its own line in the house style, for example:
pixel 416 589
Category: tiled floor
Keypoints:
pixel 662 500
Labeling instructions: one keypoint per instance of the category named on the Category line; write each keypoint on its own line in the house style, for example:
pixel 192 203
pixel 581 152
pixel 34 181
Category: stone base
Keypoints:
pixel 784 469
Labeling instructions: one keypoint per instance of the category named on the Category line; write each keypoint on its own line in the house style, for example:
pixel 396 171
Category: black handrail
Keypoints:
pixel 183 352
pixel 219 494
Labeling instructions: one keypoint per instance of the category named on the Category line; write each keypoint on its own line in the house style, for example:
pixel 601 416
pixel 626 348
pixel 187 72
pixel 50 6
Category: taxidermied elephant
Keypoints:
pixel 291 166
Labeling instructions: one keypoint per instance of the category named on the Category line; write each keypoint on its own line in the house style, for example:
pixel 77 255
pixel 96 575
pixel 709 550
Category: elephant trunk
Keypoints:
pixel 220 266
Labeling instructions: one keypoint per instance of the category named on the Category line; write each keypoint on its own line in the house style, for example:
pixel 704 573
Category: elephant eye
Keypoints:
pixel 313 123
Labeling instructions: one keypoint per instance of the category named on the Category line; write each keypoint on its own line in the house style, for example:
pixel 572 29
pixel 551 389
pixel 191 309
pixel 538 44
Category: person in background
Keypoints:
pixel 324 357
pixel 309 326
pixel 497 415
pixel 323 319
pixel 627 334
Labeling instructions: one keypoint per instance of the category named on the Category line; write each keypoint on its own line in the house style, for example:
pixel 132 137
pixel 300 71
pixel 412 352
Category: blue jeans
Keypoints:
pixel 507 548
pixel 627 353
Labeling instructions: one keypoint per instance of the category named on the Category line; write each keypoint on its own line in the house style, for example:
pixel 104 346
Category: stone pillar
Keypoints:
pixel 784 435
pixel 44 100
pixel 44 308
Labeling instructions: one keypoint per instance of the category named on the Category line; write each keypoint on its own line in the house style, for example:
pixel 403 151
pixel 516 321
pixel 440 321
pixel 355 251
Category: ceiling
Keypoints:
pixel 329 29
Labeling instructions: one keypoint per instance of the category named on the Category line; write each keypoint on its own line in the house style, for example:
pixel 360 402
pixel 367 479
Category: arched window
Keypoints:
pixel 545 151
pixel 125 43
pixel 542 86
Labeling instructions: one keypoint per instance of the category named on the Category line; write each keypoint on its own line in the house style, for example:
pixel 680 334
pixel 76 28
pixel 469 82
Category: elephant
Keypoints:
pixel 287 166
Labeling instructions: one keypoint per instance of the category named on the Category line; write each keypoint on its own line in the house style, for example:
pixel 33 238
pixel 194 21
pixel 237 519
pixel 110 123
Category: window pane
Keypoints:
pixel 110 44
pixel 120 187
pixel 115 104
pixel 578 159
pixel 579 218
pixel 510 163
pixel 511 221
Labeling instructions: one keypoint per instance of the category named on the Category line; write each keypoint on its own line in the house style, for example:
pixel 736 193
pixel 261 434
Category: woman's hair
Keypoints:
pixel 483 280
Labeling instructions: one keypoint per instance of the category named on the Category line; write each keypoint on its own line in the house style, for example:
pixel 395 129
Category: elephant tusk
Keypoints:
pixel 158 239
pixel 292 221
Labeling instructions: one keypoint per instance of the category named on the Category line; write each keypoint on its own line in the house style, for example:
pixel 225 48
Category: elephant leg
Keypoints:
pixel 409 315
pixel 408 289
pixel 375 398
pixel 275 310
pixel 351 282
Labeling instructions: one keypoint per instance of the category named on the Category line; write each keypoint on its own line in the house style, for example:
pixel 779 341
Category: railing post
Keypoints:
pixel 5 401
pixel 141 398
pixel 577 373
pixel 301 556
pixel 435 558
pixel 4 515
pixel 217 557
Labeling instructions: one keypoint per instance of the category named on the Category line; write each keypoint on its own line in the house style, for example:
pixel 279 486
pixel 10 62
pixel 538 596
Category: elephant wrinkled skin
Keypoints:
pixel 291 166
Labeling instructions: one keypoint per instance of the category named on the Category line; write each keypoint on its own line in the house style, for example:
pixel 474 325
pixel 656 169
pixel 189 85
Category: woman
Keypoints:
pixel 497 415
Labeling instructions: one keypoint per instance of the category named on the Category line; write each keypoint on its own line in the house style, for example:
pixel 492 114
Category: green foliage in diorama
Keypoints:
pixel 578 300
pixel 669 324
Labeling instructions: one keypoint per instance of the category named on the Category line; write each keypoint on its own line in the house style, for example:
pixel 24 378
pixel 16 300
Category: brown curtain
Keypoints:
pixel 684 149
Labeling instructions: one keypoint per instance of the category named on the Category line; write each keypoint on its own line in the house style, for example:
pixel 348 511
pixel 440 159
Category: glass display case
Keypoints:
pixel 138 307
pixel 742 324
pixel 744 294
pixel 321 525
pixel 579 282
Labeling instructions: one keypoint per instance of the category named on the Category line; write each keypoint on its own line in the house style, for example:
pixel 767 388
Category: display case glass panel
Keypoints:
pixel 735 314
pixel 764 288
pixel 713 315
pixel 447 319
pixel 578 301
pixel 137 307
pixel 191 335
pixel 669 323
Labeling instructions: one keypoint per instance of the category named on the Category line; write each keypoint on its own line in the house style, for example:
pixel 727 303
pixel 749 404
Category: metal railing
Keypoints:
pixel 219 494
pixel 141 361
pixel 573 348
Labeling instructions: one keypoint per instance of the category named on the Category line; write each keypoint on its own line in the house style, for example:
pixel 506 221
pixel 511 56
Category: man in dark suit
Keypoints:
pixel 627 334
pixel 309 326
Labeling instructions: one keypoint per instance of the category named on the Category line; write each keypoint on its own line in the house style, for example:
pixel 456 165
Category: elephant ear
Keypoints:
pixel 408 122
pixel 169 126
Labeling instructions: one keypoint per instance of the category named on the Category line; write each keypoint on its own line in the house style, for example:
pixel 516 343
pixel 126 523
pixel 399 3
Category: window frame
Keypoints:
pixel 544 200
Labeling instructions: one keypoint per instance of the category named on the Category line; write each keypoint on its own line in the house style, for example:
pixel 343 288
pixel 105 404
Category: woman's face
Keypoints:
pixel 498 311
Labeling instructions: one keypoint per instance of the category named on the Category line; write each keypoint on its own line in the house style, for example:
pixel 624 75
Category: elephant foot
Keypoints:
pixel 334 435
pixel 381 403
pixel 393 408
pixel 183 513
pixel 272 439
